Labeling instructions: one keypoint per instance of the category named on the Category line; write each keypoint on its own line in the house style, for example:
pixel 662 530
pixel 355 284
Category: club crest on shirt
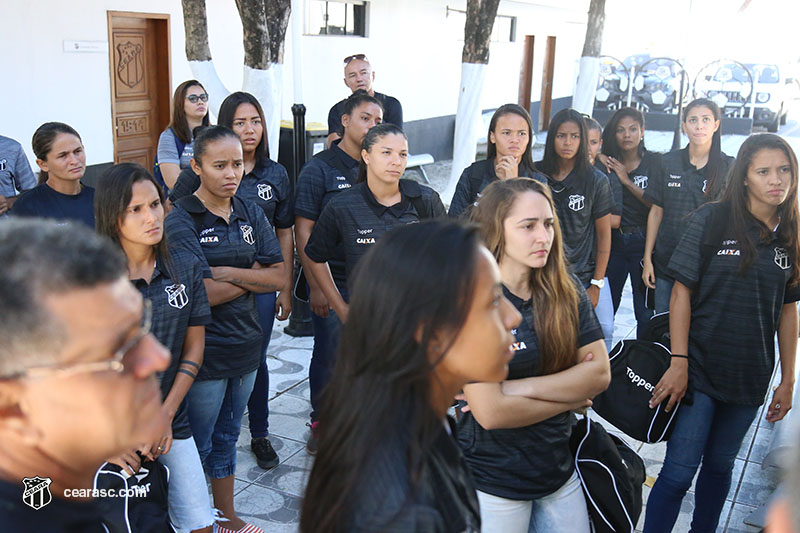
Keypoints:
pixel 640 181
pixel 576 202
pixel 176 295
pixel 782 258
pixel 37 491
pixel 3 164
pixel 705 184
pixel 247 234
pixel 265 191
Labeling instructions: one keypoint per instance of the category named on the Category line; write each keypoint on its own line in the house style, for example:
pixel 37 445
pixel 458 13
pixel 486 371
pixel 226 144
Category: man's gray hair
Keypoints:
pixel 39 258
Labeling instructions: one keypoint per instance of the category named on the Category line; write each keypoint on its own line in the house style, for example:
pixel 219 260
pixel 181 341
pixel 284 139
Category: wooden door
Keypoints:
pixel 546 102
pixel 140 83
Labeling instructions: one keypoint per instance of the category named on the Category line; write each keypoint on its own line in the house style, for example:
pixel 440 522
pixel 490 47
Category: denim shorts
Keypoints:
pixel 216 407
pixel 189 504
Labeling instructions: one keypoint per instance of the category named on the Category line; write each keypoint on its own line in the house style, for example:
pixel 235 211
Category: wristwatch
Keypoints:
pixel 599 283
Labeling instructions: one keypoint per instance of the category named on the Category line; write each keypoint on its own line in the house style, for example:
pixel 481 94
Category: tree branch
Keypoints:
pixel 195 26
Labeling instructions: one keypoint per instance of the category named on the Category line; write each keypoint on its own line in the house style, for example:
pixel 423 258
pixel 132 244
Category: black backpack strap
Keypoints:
pixel 412 190
pixel 329 157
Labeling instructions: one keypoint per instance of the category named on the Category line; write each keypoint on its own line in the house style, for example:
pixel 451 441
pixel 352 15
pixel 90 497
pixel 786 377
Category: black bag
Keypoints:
pixel 636 368
pixel 143 507
pixel 611 475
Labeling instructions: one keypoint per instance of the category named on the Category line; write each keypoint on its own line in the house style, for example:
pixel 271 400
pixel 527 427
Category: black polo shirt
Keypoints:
pixel 678 187
pixel 530 462
pixel 58 516
pixel 233 338
pixel 477 177
pixel 325 176
pixel 267 186
pixel 392 113
pixel 177 304
pixel 734 317
pixel 45 202
pixel 355 221
pixel 580 200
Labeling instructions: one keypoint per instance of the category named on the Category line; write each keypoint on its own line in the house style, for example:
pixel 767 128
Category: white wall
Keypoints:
pixel 414 57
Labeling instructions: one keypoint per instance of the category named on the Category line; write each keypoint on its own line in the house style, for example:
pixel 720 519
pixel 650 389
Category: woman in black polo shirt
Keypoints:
pixel 508 146
pixel 60 194
pixel 240 256
pixel 582 196
pixel 329 173
pixel 515 435
pixel 427 316
pixel 129 209
pixel 686 179
pixel 630 166
pixel 736 285
pixel 359 217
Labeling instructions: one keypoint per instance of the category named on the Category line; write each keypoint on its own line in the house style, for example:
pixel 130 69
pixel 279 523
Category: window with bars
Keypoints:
pixel 336 17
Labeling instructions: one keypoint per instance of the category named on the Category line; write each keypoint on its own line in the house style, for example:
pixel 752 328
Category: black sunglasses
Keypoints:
pixel 193 98
pixel 360 57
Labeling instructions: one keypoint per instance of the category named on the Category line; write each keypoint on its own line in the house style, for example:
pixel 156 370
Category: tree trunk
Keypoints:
pixel 278 12
pixel 478 30
pixel 196 28
pixel 589 70
pixel 255 33
pixel 474 57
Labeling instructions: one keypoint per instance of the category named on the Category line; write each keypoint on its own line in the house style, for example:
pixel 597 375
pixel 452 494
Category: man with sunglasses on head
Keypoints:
pixel 77 373
pixel 358 75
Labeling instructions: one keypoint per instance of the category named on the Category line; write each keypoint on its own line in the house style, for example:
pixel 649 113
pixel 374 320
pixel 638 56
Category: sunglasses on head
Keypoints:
pixel 193 98
pixel 360 57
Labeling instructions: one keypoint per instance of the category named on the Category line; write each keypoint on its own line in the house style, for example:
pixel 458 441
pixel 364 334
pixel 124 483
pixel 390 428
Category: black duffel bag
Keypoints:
pixel 611 475
pixel 636 367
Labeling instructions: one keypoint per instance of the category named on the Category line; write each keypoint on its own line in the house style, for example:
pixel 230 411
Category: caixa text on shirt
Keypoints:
pixel 206 238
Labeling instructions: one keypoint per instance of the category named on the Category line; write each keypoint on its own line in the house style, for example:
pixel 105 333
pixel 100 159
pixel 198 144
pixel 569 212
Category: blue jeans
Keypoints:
pixel 323 357
pixel 663 293
pixel 605 313
pixel 189 504
pixel 216 407
pixel 707 430
pixel 257 406
pixel 625 261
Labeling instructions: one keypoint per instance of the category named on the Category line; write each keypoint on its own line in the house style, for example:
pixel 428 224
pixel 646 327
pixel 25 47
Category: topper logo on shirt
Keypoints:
pixel 364 231
pixel 265 191
pixel 576 202
pixel 782 259
pixel 247 234
pixel 176 295
pixel 640 181
pixel 341 178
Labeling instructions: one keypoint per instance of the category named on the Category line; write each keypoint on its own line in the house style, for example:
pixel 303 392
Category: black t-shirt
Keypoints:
pixel 530 462
pixel 477 177
pixel 678 187
pixel 58 516
pixel 355 221
pixel 267 186
pixel 177 305
pixel 45 202
pixel 445 500
pixel 634 211
pixel 233 338
pixel 580 200
pixel 734 317
pixel 392 113
pixel 326 175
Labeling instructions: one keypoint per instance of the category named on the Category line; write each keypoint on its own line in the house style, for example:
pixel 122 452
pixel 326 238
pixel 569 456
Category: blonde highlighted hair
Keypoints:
pixel 553 289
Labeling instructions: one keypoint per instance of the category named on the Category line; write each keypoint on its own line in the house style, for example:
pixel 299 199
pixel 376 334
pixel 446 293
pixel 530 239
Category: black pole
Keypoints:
pixel 676 136
pixel 300 319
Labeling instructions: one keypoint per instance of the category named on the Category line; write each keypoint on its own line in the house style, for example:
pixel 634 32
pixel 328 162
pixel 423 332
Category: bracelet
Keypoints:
pixel 681 356
pixel 188 373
